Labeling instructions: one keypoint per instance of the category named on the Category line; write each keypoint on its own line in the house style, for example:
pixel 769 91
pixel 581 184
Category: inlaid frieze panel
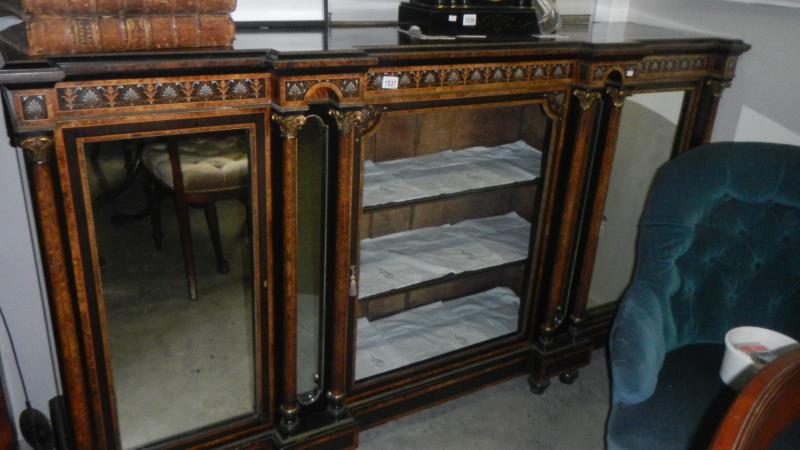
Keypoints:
pixel 296 90
pixel 466 75
pixel 33 109
pixel 160 92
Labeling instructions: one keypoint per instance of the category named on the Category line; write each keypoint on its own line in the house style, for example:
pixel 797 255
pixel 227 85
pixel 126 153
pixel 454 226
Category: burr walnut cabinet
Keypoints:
pixel 284 243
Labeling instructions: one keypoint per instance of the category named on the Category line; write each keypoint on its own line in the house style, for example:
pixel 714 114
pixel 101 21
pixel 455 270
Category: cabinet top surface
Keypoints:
pixel 342 48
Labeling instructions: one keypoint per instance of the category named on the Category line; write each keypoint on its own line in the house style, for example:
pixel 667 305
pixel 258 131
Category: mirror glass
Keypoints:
pixel 646 137
pixel 171 218
pixel 312 160
pixel 449 207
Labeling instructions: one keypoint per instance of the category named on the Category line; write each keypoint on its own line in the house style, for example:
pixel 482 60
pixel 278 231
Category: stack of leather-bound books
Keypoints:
pixel 58 27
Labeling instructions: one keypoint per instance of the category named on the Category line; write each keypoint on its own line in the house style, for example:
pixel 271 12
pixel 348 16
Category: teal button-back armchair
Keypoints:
pixel 718 247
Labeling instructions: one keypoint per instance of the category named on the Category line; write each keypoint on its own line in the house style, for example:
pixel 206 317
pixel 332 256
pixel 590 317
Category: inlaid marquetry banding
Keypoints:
pixel 466 75
pixel 162 92
pixel 296 90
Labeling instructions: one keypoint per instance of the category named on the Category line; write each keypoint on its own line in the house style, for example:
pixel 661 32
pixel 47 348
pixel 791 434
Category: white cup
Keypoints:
pixel 737 366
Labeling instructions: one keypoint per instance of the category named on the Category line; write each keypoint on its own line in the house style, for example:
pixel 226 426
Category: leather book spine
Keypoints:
pixel 106 34
pixel 125 7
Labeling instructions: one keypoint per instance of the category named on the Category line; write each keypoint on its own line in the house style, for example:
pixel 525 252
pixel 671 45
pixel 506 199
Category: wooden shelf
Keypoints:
pixel 410 259
pixel 445 326
pixel 449 173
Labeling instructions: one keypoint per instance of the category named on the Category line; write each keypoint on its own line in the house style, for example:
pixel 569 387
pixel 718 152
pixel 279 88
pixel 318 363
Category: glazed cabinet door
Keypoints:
pixel 451 204
pixel 169 243
pixel 641 131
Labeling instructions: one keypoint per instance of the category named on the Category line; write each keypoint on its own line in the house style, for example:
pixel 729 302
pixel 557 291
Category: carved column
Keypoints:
pixel 289 126
pixel 346 288
pixel 597 200
pixel 38 154
pixel 555 314
pixel 703 125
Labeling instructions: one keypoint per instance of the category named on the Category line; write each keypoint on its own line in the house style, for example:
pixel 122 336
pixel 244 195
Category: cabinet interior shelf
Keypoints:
pixel 409 259
pixel 435 329
pixel 449 173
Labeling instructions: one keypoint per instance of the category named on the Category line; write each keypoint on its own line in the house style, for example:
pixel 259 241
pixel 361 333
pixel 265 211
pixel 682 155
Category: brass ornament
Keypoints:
pixel 717 86
pixel 617 96
pixel 586 98
pixel 555 103
pixel 347 120
pixel 290 125
pixel 37 149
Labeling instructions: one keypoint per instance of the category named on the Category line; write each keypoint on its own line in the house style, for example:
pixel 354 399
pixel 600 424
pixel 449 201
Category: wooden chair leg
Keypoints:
pixel 213 229
pixel 154 211
pixel 185 229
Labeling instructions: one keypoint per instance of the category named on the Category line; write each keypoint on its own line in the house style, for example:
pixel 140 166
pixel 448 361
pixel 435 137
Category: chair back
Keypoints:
pixel 719 241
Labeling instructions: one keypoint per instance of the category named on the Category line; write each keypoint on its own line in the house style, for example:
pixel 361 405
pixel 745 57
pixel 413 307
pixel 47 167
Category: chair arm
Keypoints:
pixel 637 345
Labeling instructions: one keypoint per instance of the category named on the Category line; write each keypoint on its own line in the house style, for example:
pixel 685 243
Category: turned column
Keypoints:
pixel 612 115
pixel 38 154
pixel 706 113
pixel 346 287
pixel 289 127
pixel 555 314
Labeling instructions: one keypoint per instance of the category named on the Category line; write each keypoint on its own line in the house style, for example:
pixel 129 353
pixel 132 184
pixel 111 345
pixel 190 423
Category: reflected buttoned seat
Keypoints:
pixel 199 172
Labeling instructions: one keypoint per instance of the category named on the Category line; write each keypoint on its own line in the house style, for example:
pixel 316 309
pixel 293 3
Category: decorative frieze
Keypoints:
pixel 417 78
pixel 296 90
pixel 152 92
pixel 675 64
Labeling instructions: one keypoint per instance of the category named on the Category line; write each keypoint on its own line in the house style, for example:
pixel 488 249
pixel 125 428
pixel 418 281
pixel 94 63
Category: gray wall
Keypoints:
pixel 762 104
pixel 21 291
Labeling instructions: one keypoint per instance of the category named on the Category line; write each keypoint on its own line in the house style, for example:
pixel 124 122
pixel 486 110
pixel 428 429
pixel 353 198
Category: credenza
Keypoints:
pixel 283 243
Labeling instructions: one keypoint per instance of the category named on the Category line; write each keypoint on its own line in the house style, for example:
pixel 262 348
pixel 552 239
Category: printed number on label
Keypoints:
pixel 470 20
pixel 452 18
pixel 389 82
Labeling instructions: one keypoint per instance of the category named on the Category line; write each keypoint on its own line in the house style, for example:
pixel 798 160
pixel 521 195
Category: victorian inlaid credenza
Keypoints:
pixel 287 242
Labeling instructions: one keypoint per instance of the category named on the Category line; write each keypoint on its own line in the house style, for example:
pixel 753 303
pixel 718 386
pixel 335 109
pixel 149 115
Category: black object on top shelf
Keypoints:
pixel 465 17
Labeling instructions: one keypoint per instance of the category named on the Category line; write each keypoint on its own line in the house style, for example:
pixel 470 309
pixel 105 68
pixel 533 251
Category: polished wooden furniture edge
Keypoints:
pixel 766 406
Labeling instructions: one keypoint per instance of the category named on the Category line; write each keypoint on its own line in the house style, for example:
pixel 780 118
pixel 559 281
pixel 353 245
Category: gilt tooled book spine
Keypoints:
pixel 122 7
pixel 107 34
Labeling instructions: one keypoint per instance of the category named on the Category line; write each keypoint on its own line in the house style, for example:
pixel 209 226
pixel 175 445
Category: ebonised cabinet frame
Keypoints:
pixel 576 89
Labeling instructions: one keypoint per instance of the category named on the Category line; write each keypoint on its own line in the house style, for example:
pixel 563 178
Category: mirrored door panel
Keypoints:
pixel 312 219
pixel 449 205
pixel 647 132
pixel 172 229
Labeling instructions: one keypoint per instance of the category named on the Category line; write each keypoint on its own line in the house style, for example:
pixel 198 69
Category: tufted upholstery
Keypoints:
pixel 718 247
pixel 208 164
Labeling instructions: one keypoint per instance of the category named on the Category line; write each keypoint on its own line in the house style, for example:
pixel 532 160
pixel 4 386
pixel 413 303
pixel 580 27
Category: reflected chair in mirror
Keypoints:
pixel 766 415
pixel 197 172
pixel 718 247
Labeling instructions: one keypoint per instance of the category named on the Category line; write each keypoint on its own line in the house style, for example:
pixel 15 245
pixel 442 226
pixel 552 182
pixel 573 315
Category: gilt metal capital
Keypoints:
pixel 717 86
pixel 617 96
pixel 348 120
pixel 586 98
pixel 37 149
pixel 290 125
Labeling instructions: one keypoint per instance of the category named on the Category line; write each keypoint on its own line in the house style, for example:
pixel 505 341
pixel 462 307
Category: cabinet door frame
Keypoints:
pixel 93 416
pixel 597 321
pixel 508 352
